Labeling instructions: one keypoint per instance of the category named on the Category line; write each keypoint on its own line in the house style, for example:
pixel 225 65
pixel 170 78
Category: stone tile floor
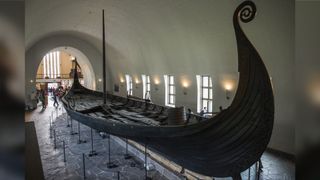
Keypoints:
pixel 96 166
pixel 275 168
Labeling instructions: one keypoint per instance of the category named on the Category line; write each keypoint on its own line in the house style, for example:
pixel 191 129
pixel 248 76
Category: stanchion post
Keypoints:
pixel 71 128
pixel 110 164
pixel 68 125
pixel 50 122
pixel 72 132
pixel 127 155
pixel 80 141
pixel 145 161
pixel 52 117
pixel 50 129
pixel 64 152
pixel 92 152
pixel 55 139
pixel 118 175
pixel 84 166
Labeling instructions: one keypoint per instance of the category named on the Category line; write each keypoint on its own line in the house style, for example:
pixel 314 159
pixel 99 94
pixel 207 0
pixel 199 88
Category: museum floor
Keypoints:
pixel 54 167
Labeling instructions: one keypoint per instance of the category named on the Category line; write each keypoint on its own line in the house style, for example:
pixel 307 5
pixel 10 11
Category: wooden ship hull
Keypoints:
pixel 221 146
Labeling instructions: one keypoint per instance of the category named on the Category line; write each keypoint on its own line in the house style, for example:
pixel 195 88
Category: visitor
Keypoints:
pixel 188 115
pixel 42 97
pixel 203 112
pixel 221 109
pixel 55 103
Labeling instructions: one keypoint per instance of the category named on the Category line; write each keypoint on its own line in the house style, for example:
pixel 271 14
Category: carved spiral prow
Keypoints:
pixel 246 11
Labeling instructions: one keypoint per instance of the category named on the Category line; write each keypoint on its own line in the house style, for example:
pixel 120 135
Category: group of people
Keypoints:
pixel 203 113
pixel 42 96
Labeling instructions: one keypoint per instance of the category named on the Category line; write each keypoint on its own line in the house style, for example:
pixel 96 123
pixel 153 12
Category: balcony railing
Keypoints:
pixel 57 76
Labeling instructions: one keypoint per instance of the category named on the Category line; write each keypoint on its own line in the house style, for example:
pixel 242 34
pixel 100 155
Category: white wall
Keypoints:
pixel 308 73
pixel 184 39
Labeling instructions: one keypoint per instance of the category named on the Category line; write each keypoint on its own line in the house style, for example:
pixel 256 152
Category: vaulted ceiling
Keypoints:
pixel 181 37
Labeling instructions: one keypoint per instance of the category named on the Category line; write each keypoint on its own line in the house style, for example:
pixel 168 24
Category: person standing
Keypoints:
pixel 203 112
pixel 188 116
pixel 55 103
pixel 42 98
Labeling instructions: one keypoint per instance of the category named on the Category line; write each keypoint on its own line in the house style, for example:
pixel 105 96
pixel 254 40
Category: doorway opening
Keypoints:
pixel 56 70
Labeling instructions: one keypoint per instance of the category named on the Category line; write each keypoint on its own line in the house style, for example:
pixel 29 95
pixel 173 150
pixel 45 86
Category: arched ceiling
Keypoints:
pixel 138 31
pixel 179 37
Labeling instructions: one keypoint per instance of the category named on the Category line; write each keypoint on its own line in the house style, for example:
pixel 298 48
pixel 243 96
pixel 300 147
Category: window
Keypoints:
pixel 204 83
pixel 170 90
pixel 129 84
pixel 146 87
pixel 51 65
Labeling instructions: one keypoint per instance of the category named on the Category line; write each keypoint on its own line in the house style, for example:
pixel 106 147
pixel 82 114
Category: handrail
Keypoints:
pixel 56 76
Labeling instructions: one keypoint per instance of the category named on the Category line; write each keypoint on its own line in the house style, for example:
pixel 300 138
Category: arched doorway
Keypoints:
pixel 88 56
pixel 56 70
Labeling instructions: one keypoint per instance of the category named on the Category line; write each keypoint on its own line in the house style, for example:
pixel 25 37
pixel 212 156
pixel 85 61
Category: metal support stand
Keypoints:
pixel 84 166
pixel 92 152
pixel 146 162
pixel 52 117
pixel 50 122
pixel 110 164
pixel 79 133
pixel 54 139
pixel 127 155
pixel 249 173
pixel 72 132
pixel 261 166
pixel 68 125
pixel 64 152
pixel 259 169
pixel 118 175
pixel 50 129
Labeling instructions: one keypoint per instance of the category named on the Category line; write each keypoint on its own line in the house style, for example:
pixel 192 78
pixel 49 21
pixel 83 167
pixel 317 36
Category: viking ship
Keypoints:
pixel 221 146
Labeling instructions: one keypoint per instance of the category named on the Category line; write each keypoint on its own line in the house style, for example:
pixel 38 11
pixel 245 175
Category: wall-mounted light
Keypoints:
pixel 316 95
pixel 100 80
pixel 137 82
pixel 156 84
pixel 31 81
pixel 185 86
pixel 314 91
pixel 228 87
pixel 121 81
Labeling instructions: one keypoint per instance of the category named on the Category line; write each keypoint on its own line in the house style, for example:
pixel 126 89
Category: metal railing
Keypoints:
pixel 56 76
pixel 60 143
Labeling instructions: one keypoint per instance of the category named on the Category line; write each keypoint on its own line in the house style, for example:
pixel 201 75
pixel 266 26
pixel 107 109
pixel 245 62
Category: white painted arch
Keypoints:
pixel 89 58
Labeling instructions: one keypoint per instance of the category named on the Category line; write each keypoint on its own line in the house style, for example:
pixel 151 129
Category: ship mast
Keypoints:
pixel 104 59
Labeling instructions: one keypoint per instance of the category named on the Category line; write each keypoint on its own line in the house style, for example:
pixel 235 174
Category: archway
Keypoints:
pixel 90 59
pixel 56 70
